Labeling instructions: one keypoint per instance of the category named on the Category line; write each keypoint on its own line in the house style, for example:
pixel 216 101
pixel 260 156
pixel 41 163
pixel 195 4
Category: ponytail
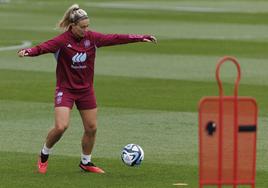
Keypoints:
pixel 72 15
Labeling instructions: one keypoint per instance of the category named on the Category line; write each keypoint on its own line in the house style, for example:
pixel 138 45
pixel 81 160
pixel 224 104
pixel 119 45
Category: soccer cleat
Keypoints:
pixel 42 167
pixel 90 167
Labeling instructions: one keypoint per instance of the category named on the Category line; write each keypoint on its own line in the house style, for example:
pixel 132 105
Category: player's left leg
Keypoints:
pixel 89 118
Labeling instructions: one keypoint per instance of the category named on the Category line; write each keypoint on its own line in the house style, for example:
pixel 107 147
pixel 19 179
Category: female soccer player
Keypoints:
pixel 74 51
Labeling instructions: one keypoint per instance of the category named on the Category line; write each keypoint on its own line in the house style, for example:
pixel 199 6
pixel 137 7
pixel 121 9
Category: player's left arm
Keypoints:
pixel 116 39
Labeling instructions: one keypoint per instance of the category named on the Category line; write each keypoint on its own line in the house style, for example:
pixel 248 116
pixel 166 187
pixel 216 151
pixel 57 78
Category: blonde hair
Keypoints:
pixel 73 14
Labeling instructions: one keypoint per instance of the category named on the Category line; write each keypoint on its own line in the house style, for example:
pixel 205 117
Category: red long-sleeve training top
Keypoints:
pixel 76 56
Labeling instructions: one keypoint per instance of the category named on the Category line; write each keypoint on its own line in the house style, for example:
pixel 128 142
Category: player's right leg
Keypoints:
pixel 62 118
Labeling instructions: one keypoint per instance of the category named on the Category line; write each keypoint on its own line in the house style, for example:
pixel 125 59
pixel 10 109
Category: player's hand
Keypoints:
pixel 150 39
pixel 23 53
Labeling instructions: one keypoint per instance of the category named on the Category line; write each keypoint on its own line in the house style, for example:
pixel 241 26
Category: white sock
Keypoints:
pixel 46 150
pixel 85 158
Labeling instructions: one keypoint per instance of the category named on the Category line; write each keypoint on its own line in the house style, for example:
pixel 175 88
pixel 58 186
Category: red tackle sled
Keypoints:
pixel 227 137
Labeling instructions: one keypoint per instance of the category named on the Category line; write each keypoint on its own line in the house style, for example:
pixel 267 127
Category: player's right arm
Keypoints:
pixel 50 46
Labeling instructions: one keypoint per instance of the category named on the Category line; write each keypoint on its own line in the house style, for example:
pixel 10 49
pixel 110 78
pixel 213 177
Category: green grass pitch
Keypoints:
pixel 147 94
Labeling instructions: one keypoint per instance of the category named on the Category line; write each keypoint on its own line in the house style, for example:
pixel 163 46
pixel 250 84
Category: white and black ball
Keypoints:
pixel 132 155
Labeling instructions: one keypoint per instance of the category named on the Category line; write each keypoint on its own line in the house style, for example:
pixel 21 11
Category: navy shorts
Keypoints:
pixel 84 99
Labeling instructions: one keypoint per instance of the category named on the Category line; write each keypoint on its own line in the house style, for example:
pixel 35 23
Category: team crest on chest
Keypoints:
pixel 87 43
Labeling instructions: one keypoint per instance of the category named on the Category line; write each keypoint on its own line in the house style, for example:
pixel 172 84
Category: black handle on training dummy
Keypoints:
pixel 247 128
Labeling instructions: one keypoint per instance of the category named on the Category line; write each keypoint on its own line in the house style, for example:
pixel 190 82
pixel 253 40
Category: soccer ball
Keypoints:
pixel 132 155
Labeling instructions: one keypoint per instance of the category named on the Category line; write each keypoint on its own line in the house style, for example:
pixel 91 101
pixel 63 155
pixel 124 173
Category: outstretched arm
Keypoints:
pixel 50 46
pixel 22 53
pixel 150 39
pixel 116 39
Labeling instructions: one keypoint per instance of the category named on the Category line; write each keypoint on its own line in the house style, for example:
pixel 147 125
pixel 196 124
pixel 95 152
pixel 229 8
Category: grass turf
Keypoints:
pixel 64 172
pixel 140 93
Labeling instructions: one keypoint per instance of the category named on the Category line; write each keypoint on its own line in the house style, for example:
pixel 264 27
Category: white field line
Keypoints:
pixel 155 7
pixel 25 44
